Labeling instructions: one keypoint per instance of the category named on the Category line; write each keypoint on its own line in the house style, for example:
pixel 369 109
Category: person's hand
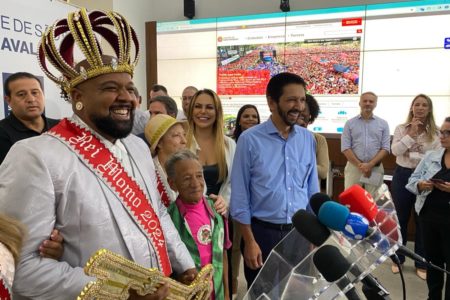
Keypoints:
pixel 367 174
pixel 253 255
pixel 53 247
pixel 161 293
pixel 413 130
pixel 219 204
pixel 445 187
pixel 425 185
pixel 366 169
pixel 188 276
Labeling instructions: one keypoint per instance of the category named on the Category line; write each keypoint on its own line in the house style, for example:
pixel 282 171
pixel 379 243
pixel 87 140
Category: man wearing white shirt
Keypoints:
pixel 88 176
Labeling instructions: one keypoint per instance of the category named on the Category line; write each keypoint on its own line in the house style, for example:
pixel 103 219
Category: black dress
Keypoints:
pixel 211 175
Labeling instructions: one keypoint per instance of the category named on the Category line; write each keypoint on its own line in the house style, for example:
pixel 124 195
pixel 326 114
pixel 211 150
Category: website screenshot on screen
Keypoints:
pixel 396 50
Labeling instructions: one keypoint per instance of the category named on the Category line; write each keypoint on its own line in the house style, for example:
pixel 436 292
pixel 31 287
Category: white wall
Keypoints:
pixel 21 26
pixel 92 5
pixel 137 14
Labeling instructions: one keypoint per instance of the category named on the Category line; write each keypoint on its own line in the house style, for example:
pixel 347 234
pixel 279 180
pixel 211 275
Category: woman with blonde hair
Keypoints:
pixel 12 233
pixel 215 150
pixel 412 139
pixel 206 138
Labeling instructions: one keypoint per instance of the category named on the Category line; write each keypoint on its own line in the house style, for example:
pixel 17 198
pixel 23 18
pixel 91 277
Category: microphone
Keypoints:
pixel 317 233
pixel 333 266
pixel 308 225
pixel 360 201
pixel 353 225
pixel 317 200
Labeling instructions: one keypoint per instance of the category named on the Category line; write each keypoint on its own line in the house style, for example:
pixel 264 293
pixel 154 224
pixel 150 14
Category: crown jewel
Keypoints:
pixel 87 37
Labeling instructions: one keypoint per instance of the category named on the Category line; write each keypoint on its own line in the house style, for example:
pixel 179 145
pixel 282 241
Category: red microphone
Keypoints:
pixel 360 201
pixel 387 225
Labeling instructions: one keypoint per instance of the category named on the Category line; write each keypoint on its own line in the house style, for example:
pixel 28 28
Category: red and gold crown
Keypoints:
pixel 87 37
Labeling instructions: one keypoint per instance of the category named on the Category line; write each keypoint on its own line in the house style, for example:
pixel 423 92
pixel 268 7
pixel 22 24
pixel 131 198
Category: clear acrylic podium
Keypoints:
pixel 289 271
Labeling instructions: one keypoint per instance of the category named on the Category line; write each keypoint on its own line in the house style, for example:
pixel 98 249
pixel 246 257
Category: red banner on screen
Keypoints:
pixel 242 82
pixel 351 21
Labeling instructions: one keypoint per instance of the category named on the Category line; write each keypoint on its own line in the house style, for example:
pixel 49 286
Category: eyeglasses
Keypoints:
pixel 444 133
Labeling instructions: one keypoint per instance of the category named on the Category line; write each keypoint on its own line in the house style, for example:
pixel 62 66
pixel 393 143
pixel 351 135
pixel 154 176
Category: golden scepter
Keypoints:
pixel 116 275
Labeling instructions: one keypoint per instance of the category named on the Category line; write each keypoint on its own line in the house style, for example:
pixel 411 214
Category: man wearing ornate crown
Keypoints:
pixel 87 176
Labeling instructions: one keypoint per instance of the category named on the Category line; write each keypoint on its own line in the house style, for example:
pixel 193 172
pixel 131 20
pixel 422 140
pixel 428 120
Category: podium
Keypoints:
pixel 289 271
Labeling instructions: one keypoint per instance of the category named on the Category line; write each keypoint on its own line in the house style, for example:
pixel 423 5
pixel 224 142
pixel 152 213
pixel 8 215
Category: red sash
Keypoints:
pixel 4 291
pixel 165 199
pixel 100 160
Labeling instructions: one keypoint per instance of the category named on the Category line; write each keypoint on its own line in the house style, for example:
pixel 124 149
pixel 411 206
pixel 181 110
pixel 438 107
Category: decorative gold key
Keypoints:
pixel 116 275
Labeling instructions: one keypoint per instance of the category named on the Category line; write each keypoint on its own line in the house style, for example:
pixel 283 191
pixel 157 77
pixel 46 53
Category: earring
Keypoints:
pixel 79 106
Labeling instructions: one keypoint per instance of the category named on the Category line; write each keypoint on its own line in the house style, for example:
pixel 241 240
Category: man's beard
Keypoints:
pixel 113 128
pixel 284 115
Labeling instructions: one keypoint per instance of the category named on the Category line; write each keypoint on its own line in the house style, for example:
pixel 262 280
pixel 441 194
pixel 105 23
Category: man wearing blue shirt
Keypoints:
pixel 365 142
pixel 274 173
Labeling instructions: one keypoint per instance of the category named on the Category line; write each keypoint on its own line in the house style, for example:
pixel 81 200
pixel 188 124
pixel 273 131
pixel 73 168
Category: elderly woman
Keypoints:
pixel 166 136
pixel 215 150
pixel 431 183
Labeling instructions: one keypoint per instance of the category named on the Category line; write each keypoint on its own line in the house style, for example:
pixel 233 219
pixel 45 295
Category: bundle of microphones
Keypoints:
pixel 359 219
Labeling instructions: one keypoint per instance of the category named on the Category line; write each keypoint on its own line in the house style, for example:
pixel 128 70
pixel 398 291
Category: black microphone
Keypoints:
pixel 411 254
pixel 317 200
pixel 314 231
pixel 309 226
pixel 333 266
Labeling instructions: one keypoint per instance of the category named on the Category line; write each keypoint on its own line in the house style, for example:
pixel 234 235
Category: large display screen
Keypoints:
pixel 396 50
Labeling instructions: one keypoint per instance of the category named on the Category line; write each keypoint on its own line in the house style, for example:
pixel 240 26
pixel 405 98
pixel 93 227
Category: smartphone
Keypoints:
pixel 437 180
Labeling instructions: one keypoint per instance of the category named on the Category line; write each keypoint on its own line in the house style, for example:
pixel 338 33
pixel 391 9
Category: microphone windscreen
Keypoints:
pixel 333 215
pixel 317 200
pixel 360 201
pixel 330 262
pixel 356 226
pixel 387 225
pixel 308 225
